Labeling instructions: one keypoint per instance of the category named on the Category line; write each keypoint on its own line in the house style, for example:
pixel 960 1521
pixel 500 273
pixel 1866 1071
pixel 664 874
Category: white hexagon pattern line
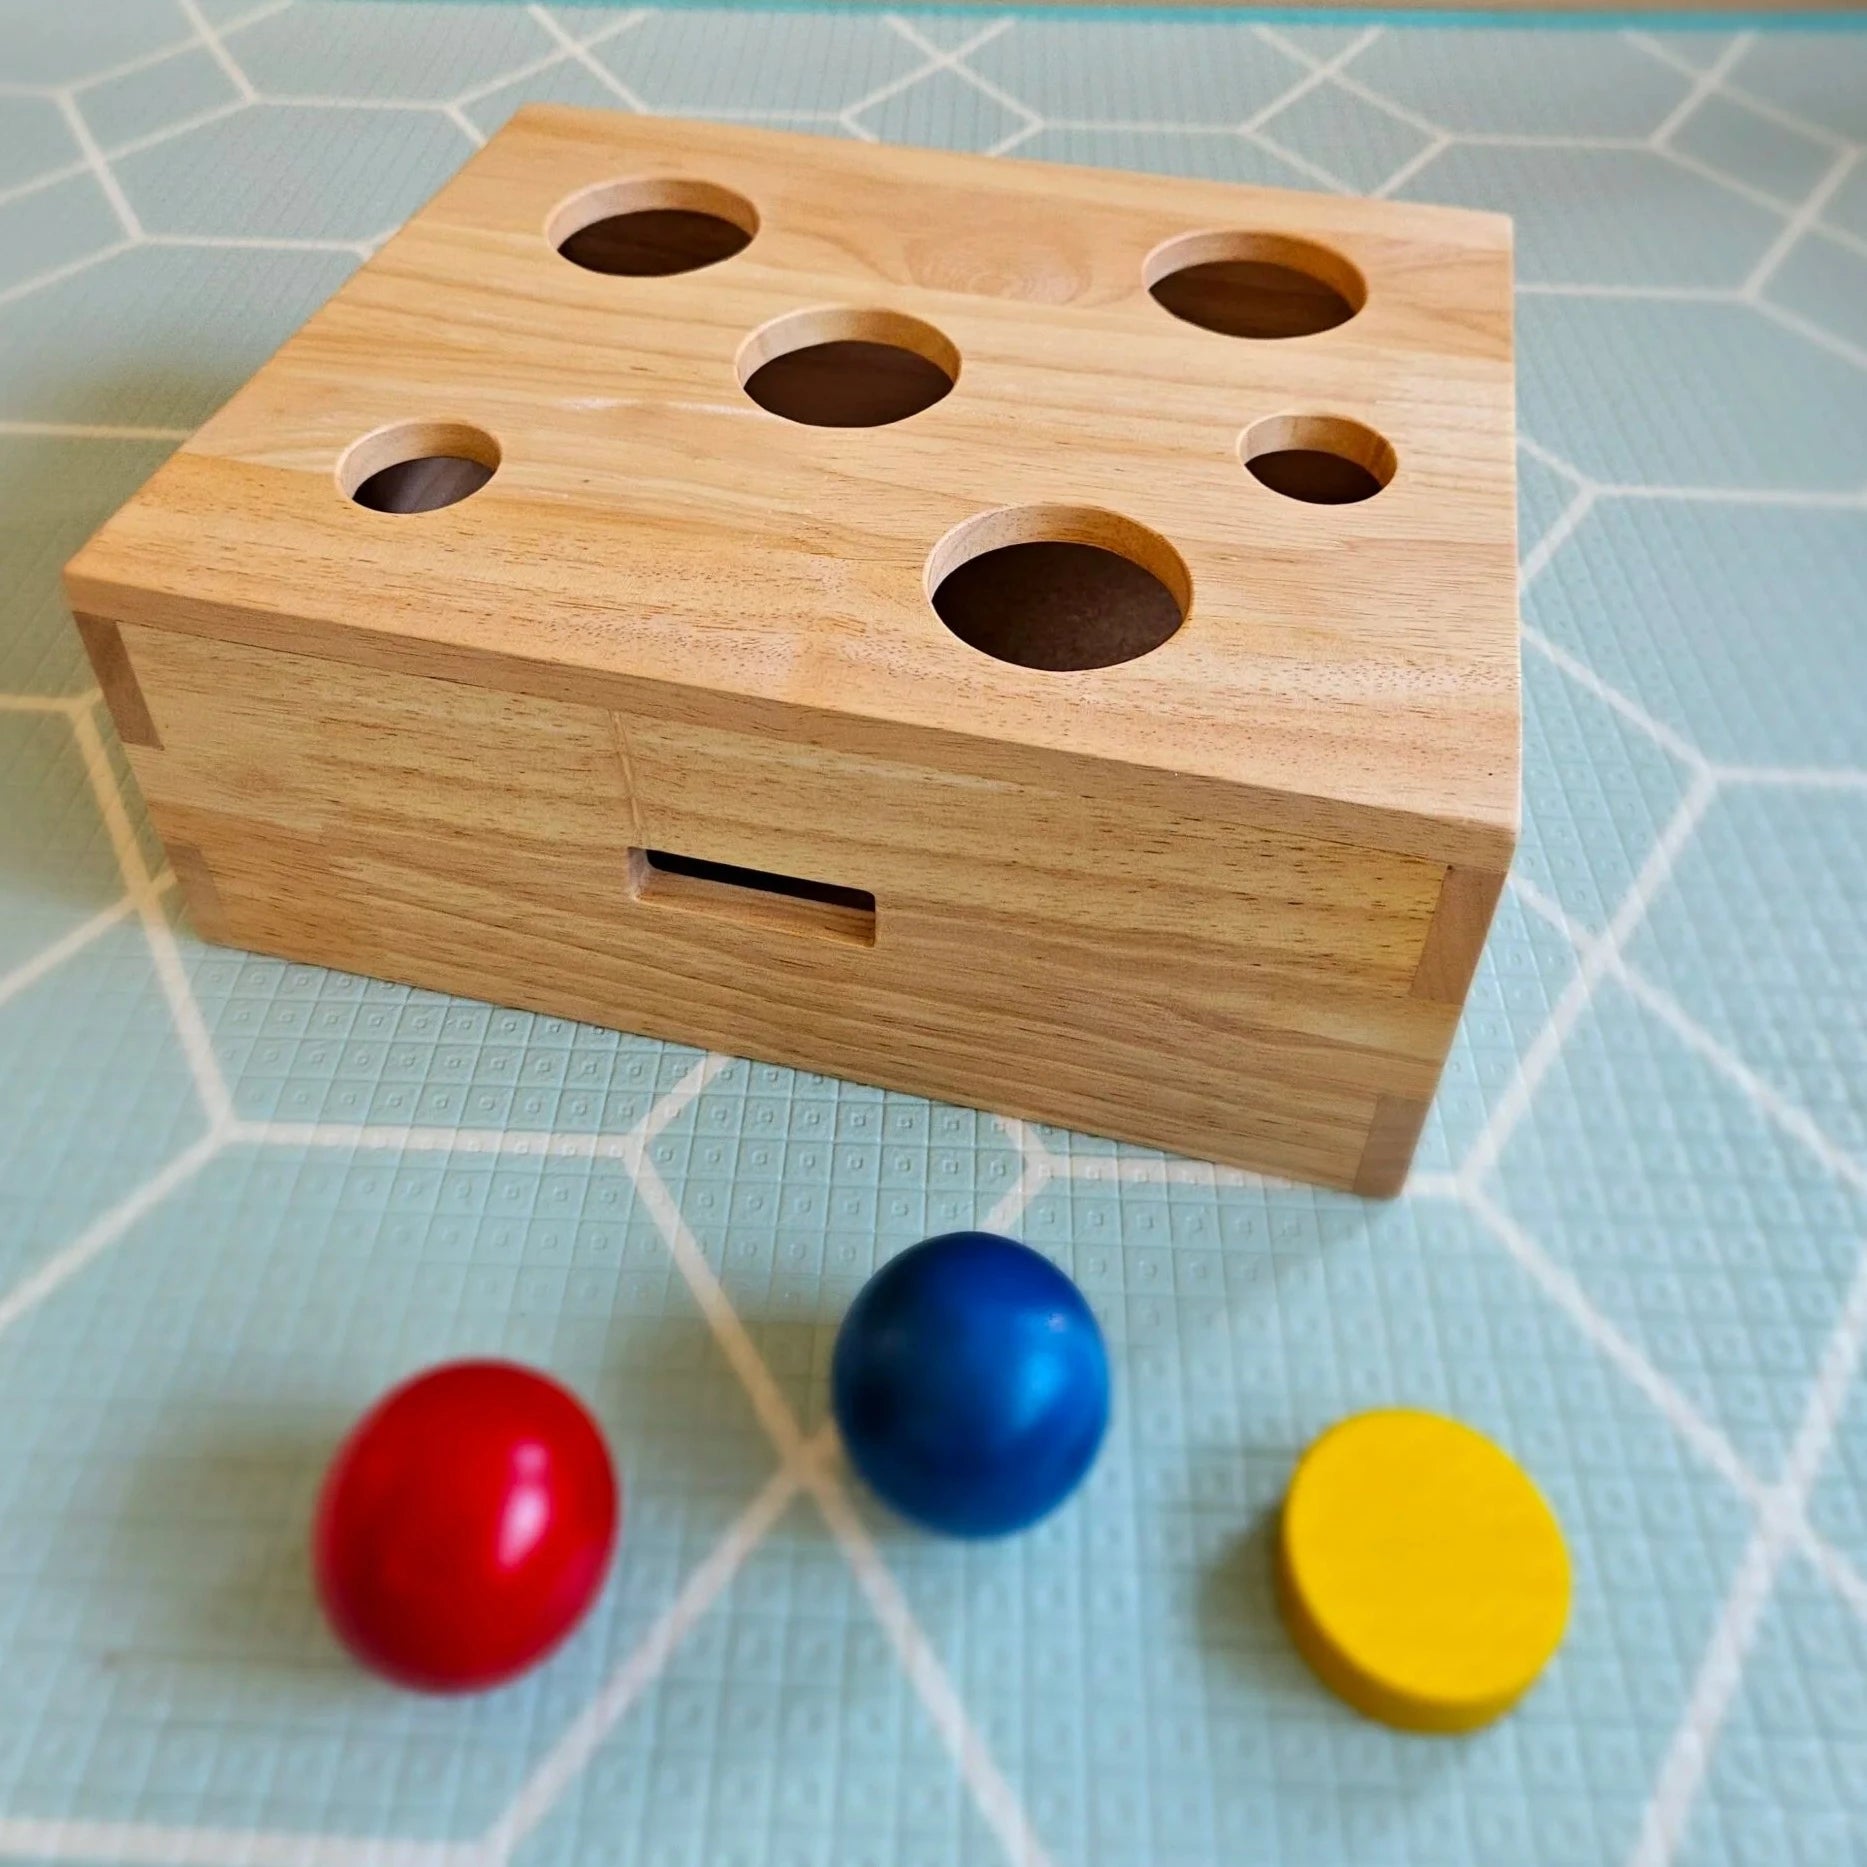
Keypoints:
pixel 50 179
pixel 52 276
pixel 933 59
pixel 955 62
pixel 1781 1524
pixel 578 53
pixel 184 1012
pixel 1788 119
pixel 199 120
pixel 1768 1101
pixel 1514 1104
pixel 1780 1527
pixel 1811 332
pixel 48 959
pixel 121 1844
pixel 217 49
pixel 992 1795
pixel 1586 678
pixel 583 1737
pixel 1683 159
pixel 1701 88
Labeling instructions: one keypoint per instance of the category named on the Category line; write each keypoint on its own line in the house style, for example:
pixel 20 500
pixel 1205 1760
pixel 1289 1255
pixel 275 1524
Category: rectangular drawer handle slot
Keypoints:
pixel 757 897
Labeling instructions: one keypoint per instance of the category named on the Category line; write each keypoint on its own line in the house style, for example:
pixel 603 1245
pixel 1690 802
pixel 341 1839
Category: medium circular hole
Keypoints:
pixel 1254 284
pixel 417 466
pixel 1058 587
pixel 652 226
pixel 835 368
pixel 1324 460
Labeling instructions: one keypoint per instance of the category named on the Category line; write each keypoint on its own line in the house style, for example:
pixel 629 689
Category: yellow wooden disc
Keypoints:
pixel 1421 1573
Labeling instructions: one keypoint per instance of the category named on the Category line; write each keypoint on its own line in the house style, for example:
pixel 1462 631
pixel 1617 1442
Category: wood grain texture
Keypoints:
pixel 200 891
pixel 116 680
pixel 1467 900
pixel 1244 998
pixel 1388 1151
pixel 1203 899
pixel 650 531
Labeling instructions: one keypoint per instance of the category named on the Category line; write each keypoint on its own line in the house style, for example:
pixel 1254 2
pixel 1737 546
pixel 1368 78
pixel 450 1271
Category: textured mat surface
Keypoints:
pixel 237 1197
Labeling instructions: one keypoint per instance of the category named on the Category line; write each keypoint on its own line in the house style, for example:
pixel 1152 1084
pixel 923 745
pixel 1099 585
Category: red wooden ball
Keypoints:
pixel 465 1526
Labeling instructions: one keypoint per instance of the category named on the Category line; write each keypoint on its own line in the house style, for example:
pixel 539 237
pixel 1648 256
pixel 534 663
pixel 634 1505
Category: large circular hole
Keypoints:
pixel 652 226
pixel 1058 587
pixel 1324 460
pixel 417 466
pixel 835 368
pixel 1254 284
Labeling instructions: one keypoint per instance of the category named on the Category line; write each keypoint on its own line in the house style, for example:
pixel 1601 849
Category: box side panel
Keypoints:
pixel 1245 997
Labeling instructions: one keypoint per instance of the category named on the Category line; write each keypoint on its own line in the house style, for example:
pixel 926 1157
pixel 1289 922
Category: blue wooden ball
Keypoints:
pixel 971 1384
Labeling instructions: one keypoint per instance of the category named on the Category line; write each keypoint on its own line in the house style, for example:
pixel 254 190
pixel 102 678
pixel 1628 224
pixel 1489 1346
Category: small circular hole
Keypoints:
pixel 1254 284
pixel 834 368
pixel 1324 460
pixel 1058 587
pixel 652 226
pixel 417 466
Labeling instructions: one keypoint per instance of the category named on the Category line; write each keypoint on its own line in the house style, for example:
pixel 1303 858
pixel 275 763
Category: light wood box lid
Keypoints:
pixel 652 537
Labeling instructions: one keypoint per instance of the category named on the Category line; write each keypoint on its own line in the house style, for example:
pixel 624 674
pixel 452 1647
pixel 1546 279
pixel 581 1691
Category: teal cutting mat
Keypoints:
pixel 238 1198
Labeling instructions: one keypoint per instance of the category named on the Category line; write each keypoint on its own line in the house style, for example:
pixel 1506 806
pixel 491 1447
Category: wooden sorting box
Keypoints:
pixel 904 615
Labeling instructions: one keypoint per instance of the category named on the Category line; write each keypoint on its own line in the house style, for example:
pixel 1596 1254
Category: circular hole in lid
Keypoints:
pixel 1323 460
pixel 1262 285
pixel 417 466
pixel 652 226
pixel 1058 587
pixel 840 368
